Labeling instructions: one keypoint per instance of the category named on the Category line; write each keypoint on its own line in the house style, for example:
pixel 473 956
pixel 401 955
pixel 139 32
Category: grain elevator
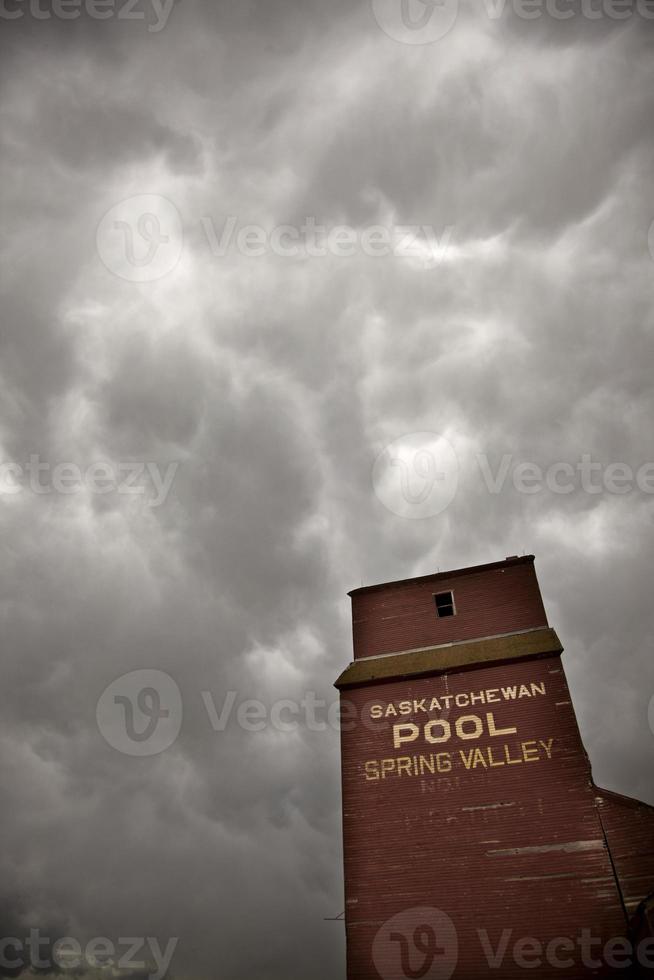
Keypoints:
pixel 475 841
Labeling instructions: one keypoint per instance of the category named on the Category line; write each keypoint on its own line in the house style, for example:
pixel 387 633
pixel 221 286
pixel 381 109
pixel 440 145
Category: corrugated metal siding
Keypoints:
pixel 402 616
pixel 629 829
pixel 518 846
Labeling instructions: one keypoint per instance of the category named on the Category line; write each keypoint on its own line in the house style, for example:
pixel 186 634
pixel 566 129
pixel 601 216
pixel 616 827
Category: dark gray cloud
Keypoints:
pixel 270 384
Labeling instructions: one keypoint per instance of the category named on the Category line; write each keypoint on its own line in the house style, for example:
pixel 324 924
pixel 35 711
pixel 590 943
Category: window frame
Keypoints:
pixel 451 603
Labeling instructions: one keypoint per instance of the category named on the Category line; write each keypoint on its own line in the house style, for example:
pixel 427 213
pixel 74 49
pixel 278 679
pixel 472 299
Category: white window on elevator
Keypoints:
pixel 445 604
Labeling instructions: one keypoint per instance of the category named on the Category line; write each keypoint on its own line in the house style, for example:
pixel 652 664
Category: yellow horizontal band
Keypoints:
pixel 451 656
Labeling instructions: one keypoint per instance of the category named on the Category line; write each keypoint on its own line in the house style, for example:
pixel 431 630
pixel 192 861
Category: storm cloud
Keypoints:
pixel 505 305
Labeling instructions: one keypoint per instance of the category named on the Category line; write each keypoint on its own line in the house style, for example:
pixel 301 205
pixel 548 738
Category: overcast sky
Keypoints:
pixel 246 382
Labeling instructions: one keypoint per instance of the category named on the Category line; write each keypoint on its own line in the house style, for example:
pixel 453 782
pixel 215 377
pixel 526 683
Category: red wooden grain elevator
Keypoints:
pixel 475 841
